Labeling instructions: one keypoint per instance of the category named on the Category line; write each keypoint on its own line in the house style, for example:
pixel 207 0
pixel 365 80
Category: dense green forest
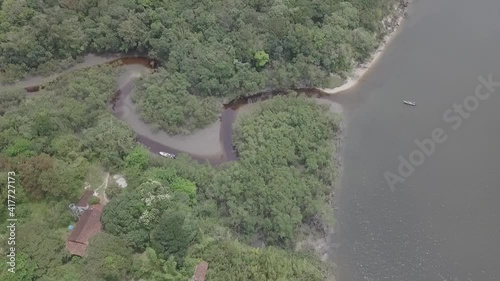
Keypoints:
pixel 174 213
pixel 245 217
pixel 223 47
pixel 285 166
pixel 165 101
pixel 219 48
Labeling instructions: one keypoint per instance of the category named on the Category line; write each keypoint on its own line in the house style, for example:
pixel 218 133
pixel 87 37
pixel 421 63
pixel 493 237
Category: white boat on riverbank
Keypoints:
pixel 166 154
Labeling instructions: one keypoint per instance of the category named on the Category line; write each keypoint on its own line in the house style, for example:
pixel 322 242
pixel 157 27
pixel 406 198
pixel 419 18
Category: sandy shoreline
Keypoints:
pixel 325 245
pixel 361 69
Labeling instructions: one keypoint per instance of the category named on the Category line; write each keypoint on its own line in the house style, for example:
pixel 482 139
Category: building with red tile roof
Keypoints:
pixel 85 198
pixel 200 272
pixel 88 225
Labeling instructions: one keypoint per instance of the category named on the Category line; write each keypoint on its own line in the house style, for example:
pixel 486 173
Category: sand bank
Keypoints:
pixel 392 24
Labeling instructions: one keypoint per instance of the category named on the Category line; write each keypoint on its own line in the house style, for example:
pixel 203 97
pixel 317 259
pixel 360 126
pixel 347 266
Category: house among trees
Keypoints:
pixel 200 271
pixel 88 225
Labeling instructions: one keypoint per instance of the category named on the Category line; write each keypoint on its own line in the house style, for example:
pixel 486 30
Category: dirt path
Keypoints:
pixel 101 191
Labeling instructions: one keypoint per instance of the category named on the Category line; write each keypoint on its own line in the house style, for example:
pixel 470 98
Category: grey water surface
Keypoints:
pixel 443 221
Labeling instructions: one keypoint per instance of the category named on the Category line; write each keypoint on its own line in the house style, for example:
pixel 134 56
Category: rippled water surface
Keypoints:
pixel 443 222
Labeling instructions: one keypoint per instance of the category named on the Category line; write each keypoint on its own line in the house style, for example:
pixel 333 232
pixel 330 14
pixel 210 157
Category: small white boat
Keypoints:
pixel 166 154
pixel 409 103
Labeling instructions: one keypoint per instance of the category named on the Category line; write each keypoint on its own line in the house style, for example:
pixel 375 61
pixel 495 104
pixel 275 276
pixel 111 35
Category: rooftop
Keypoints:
pixel 85 198
pixel 200 271
pixel 87 226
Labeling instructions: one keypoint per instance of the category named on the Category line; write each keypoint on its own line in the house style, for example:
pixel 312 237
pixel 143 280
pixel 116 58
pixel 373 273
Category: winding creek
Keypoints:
pixel 213 143
pixel 442 222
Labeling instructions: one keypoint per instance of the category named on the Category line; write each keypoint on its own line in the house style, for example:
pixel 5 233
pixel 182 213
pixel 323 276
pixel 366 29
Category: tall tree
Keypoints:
pixel 121 217
pixel 41 246
pixel 149 266
pixel 108 257
pixel 110 140
pixel 173 234
pixel 232 261
pixel 37 175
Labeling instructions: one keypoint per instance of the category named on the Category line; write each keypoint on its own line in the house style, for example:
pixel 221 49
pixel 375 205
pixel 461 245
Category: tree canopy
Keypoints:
pixel 109 258
pixel 284 173
pixel 164 100
pixel 173 234
pixel 232 261
pixel 175 213
pixel 222 48
pixel 41 247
